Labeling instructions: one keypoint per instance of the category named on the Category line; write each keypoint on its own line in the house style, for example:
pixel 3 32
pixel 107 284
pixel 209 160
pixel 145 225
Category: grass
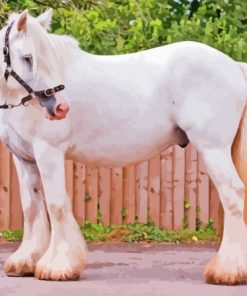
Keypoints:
pixel 11 235
pixel 133 233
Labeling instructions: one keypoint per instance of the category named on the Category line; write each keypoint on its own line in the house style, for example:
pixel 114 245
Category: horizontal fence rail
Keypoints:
pixel 172 190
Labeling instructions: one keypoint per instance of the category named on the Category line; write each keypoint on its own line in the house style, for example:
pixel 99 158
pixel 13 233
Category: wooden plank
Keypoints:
pixel 105 194
pixel 203 192
pixel 220 229
pixel 69 178
pixel 166 218
pixel 214 205
pixel 92 194
pixel 79 191
pixel 179 188
pixel 142 192
pixel 4 188
pixel 154 190
pixel 191 185
pixel 129 193
pixel 117 196
pixel 16 218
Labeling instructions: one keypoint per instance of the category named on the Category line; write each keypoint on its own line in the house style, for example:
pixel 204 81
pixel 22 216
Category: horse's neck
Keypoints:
pixel 77 70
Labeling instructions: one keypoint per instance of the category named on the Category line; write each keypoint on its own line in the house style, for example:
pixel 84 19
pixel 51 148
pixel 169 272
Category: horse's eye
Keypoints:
pixel 28 59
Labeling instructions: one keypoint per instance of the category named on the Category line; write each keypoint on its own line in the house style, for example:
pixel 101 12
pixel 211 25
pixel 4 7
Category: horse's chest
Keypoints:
pixel 19 147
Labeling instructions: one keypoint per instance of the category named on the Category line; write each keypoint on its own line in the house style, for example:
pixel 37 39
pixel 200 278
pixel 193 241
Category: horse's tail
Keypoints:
pixel 239 147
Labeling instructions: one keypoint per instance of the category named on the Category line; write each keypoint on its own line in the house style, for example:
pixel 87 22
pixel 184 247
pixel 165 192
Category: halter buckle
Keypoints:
pixel 49 92
pixel 5 51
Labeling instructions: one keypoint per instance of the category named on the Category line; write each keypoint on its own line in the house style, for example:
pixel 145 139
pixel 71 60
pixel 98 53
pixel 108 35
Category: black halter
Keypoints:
pixel 46 97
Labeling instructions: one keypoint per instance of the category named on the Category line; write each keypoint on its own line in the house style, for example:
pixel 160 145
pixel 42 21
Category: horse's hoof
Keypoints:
pixel 22 268
pixel 46 273
pixel 218 274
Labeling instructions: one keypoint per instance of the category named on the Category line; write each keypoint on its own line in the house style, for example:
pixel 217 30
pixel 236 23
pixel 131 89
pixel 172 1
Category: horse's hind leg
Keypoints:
pixel 36 227
pixel 230 264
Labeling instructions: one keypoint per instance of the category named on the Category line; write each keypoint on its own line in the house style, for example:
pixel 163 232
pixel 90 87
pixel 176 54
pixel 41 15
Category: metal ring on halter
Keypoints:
pixel 49 92
pixel 10 106
pixel 26 103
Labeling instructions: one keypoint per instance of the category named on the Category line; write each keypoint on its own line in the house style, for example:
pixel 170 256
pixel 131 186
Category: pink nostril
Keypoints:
pixel 62 109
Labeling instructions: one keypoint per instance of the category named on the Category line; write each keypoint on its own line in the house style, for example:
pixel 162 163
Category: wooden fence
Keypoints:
pixel 172 189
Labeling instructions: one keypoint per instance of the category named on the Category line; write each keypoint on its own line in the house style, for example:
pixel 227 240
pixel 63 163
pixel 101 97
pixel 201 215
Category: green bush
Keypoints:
pixel 114 26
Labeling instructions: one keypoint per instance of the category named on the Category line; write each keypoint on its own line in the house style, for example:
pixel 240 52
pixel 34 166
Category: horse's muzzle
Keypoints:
pixel 60 111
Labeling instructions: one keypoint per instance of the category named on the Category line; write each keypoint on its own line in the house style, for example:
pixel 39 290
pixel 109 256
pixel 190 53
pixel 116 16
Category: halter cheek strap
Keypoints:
pixel 45 97
pixel 6 51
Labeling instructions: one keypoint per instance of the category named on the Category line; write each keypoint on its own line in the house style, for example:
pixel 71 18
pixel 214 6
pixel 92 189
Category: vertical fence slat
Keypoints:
pixel 203 192
pixel 69 177
pixel 129 193
pixel 142 192
pixel 92 194
pixel 178 183
pixel 154 190
pixel 191 185
pixel 105 194
pixel 214 205
pixel 4 188
pixel 166 220
pixel 16 219
pixel 117 196
pixel 79 192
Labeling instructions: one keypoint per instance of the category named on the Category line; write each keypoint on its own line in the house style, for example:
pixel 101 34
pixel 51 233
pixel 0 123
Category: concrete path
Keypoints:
pixel 128 270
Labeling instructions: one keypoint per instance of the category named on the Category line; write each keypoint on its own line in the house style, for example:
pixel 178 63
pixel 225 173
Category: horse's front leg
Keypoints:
pixel 66 254
pixel 36 227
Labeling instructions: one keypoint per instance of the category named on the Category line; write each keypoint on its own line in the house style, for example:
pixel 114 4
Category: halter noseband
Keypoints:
pixel 46 97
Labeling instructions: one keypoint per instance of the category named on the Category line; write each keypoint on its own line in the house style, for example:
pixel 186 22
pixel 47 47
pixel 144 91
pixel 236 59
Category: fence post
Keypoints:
pixel 4 188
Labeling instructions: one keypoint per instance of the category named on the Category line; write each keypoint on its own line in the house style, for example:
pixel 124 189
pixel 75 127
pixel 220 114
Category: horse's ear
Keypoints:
pixel 45 19
pixel 22 21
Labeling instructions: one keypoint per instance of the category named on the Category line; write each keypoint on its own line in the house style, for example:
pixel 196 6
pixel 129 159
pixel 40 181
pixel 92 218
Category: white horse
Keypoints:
pixel 123 109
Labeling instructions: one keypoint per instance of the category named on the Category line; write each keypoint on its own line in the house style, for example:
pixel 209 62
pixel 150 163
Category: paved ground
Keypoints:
pixel 128 270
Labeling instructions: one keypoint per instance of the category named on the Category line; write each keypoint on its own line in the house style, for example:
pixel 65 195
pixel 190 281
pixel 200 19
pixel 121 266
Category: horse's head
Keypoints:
pixel 27 51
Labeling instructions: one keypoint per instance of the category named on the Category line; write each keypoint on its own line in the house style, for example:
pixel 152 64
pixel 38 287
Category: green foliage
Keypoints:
pixel 186 204
pixel 99 216
pixel 123 213
pixel 132 233
pixel 11 235
pixel 87 197
pixel 183 236
pixel 186 221
pixel 210 224
pixel 198 223
pixel 95 232
pixel 114 26
pixel 145 232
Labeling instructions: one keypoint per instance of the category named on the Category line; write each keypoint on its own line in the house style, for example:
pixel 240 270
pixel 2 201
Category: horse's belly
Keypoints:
pixel 121 151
